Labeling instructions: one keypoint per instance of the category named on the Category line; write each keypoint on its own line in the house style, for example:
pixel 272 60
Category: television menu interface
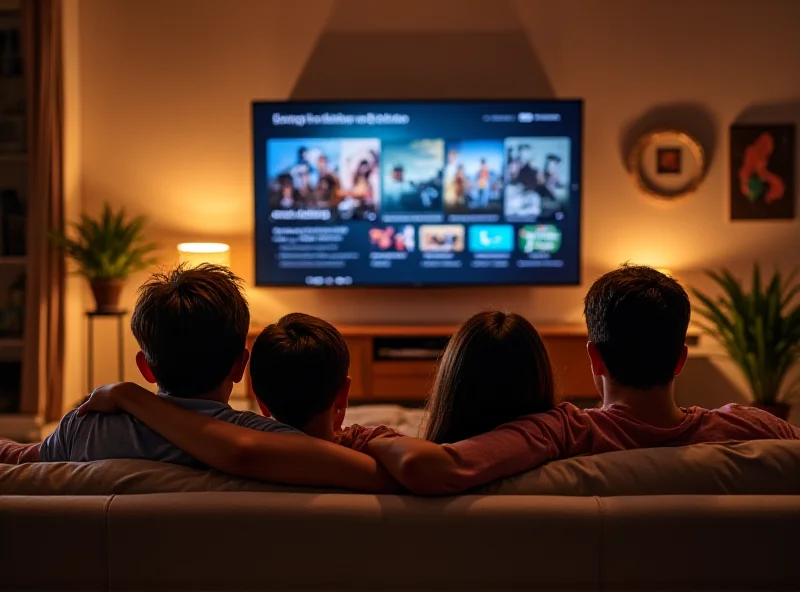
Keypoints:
pixel 414 194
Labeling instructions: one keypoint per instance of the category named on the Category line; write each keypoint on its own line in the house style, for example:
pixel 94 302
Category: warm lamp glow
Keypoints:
pixel 665 271
pixel 196 253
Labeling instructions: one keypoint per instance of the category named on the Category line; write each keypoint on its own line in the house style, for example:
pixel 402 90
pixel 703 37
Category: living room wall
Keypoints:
pixel 158 121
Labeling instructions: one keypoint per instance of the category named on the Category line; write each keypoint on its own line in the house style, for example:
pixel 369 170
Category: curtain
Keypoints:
pixel 43 355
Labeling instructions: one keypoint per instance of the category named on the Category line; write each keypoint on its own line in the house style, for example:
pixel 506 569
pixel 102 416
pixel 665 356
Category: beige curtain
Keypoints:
pixel 42 371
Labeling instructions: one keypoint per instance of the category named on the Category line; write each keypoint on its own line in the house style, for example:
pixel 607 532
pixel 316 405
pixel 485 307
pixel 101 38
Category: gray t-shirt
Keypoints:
pixel 98 436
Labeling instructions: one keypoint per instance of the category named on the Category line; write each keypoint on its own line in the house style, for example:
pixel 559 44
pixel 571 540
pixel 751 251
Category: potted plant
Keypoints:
pixel 107 250
pixel 760 331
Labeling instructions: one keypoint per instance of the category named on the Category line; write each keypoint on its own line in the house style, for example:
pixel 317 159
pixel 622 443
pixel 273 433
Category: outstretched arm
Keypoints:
pixel 14 453
pixel 426 468
pixel 293 459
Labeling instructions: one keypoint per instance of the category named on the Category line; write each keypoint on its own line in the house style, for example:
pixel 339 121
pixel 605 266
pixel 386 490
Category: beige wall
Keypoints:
pixel 162 122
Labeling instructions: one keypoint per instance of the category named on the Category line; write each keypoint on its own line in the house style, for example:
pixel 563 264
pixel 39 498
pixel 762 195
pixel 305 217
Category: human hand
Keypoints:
pixel 108 398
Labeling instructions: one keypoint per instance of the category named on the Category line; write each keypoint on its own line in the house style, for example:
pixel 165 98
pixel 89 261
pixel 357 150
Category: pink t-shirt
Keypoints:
pixel 567 431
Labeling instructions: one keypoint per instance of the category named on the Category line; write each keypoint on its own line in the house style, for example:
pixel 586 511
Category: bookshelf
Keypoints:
pixel 16 419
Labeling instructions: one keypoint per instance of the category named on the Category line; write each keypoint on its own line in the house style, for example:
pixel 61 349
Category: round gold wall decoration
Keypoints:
pixel 668 164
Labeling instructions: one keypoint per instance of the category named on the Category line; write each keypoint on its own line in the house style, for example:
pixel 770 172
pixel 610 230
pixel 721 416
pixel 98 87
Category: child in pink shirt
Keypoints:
pixel 637 320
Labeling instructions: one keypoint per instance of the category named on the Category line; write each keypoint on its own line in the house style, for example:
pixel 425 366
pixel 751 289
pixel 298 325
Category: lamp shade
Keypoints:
pixel 194 254
pixel 665 271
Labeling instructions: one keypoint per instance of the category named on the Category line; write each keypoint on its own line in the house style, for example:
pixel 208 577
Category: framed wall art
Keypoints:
pixel 762 162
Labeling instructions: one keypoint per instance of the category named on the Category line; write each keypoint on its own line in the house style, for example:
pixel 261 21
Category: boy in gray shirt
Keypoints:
pixel 191 325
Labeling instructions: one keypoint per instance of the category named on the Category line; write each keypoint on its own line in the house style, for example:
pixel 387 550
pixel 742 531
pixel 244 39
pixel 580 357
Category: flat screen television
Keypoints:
pixel 412 193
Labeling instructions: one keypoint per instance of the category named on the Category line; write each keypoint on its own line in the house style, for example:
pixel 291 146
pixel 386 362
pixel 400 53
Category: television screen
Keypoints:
pixel 417 193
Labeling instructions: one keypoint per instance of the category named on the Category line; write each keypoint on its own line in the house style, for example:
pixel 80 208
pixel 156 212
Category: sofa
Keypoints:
pixel 705 517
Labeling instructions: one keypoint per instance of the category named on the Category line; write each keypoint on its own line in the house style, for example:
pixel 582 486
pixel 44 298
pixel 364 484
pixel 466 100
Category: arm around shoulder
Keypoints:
pixel 289 458
pixel 426 468
pixel 298 459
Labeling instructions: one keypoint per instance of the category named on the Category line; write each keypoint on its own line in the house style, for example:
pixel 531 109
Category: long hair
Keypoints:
pixel 495 369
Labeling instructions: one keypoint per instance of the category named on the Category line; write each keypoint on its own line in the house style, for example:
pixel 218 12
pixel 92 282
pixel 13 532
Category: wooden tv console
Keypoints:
pixel 392 363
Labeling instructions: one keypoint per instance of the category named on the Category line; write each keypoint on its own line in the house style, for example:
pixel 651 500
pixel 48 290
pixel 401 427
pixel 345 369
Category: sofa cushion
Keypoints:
pixel 53 543
pixel 757 468
pixel 760 467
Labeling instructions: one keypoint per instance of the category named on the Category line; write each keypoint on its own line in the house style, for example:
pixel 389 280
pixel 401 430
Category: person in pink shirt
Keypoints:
pixel 637 319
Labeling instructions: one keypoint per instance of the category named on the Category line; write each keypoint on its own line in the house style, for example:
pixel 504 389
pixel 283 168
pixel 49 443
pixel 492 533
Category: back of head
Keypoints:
pixel 191 324
pixel 638 317
pixel 297 368
pixel 495 369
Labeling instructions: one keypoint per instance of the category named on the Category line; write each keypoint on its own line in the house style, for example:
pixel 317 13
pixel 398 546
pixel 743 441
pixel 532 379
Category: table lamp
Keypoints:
pixel 194 254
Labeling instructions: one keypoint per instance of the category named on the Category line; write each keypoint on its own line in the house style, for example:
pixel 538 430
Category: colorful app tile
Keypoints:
pixel 391 238
pixel 540 238
pixel 441 237
pixel 491 238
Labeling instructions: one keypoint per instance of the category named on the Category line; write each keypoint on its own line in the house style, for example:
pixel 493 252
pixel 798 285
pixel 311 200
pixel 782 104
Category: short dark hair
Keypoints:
pixel 494 369
pixel 638 317
pixel 297 367
pixel 191 323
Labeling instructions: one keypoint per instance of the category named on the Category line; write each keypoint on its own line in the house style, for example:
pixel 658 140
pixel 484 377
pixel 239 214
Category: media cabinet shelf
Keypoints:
pixel 376 379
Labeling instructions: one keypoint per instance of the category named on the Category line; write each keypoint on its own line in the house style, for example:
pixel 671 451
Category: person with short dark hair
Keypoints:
pixel 299 375
pixel 637 319
pixel 191 325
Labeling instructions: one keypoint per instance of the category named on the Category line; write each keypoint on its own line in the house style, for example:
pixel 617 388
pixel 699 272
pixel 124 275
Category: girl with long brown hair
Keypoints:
pixel 495 369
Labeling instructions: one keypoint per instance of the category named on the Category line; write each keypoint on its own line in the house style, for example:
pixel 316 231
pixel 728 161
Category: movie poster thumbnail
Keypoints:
pixel 536 178
pixel 473 178
pixel 412 176
pixel 338 175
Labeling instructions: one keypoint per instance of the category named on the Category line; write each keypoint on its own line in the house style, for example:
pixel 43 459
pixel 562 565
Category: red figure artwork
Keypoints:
pixel 762 163
pixel 755 178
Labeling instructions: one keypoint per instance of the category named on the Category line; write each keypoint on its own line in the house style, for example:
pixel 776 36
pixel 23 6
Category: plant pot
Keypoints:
pixel 780 410
pixel 106 294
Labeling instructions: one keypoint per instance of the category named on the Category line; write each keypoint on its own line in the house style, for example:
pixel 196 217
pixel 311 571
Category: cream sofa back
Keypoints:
pixel 759 467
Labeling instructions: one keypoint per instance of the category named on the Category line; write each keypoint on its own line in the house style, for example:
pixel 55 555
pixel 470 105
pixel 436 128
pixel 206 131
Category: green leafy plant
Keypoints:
pixel 759 329
pixel 108 248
